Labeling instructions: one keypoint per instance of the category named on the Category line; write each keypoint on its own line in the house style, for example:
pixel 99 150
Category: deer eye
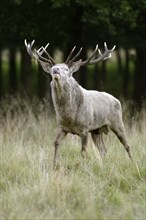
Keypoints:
pixel 65 68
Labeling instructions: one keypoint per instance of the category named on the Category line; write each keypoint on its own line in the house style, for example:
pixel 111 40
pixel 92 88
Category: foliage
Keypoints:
pixel 67 23
pixel 55 20
pixel 79 189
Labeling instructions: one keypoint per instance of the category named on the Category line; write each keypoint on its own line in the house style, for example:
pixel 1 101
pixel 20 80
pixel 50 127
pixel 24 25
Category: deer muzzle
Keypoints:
pixel 56 73
pixel 55 70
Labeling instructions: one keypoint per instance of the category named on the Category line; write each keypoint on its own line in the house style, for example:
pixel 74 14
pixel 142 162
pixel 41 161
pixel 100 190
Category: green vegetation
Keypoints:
pixel 79 189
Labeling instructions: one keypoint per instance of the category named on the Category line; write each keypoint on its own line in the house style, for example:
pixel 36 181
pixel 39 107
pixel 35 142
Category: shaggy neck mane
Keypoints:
pixel 67 97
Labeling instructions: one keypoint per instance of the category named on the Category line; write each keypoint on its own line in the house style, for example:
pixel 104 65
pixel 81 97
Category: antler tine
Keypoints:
pixel 71 61
pixel 39 54
pixel 44 50
pixel 29 47
pixel 32 43
pixel 41 48
pixel 25 42
pixel 69 56
pixel 107 53
pixel 113 48
pixel 89 59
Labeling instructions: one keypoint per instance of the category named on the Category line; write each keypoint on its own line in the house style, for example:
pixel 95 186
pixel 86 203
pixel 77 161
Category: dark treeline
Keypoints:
pixel 65 23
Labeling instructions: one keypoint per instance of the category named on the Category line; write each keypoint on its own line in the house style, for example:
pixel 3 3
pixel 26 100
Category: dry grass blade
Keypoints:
pixel 78 189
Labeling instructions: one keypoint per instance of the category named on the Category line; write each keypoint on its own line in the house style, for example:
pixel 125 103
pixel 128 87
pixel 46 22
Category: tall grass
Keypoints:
pixel 114 188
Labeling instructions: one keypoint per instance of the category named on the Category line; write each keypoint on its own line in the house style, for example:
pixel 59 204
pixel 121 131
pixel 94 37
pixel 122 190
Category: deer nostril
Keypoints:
pixel 56 71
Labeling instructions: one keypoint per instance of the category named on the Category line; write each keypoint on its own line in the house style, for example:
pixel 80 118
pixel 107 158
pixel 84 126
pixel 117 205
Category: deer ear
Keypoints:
pixel 46 66
pixel 75 66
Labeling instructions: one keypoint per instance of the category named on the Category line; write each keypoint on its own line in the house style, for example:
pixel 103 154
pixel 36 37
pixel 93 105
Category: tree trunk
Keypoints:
pixel 140 75
pixel 0 73
pixel 12 70
pixel 42 81
pixel 26 71
pixel 96 77
pixel 103 72
pixel 126 74
pixel 83 72
pixel 77 33
pixel 119 58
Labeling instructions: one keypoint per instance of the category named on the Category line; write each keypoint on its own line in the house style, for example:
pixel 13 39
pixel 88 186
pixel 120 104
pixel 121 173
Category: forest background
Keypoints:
pixel 65 23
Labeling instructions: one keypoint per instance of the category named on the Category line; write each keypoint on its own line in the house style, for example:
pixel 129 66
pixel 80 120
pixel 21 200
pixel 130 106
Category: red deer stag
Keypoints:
pixel 80 111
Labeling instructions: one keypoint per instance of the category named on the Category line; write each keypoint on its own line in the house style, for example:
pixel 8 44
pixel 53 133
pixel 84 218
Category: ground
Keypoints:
pixel 113 188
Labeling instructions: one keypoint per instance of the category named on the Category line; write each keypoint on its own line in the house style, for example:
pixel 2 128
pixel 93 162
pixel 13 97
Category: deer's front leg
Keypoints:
pixel 60 136
pixel 84 140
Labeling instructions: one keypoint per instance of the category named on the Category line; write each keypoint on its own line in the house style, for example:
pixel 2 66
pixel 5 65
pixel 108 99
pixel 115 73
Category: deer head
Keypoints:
pixel 71 65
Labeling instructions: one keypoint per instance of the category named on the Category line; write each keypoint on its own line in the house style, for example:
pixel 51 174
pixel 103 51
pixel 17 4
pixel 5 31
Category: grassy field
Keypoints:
pixel 114 188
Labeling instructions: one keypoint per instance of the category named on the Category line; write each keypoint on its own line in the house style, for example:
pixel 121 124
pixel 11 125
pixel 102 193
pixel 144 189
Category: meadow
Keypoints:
pixel 113 188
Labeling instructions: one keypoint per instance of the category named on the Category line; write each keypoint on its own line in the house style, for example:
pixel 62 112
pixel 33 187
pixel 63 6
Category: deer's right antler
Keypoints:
pixel 37 54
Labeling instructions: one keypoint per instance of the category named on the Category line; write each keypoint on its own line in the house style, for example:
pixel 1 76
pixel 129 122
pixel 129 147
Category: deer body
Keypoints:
pixel 80 111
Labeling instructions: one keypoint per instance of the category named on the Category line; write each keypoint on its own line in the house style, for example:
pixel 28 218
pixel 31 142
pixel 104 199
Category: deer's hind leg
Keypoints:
pixel 97 137
pixel 119 130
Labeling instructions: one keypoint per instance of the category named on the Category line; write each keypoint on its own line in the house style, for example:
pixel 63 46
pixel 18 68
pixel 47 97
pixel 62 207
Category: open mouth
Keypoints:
pixel 56 75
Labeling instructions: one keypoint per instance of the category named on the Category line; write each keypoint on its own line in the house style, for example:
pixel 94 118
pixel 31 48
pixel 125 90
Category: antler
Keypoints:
pixel 68 61
pixel 37 54
pixel 91 60
pixel 48 62
pixel 103 56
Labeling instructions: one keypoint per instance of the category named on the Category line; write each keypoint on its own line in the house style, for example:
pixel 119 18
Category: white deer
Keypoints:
pixel 80 111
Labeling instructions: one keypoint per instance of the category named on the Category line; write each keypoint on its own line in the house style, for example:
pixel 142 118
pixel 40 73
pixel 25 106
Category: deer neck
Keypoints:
pixel 67 98
pixel 61 92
